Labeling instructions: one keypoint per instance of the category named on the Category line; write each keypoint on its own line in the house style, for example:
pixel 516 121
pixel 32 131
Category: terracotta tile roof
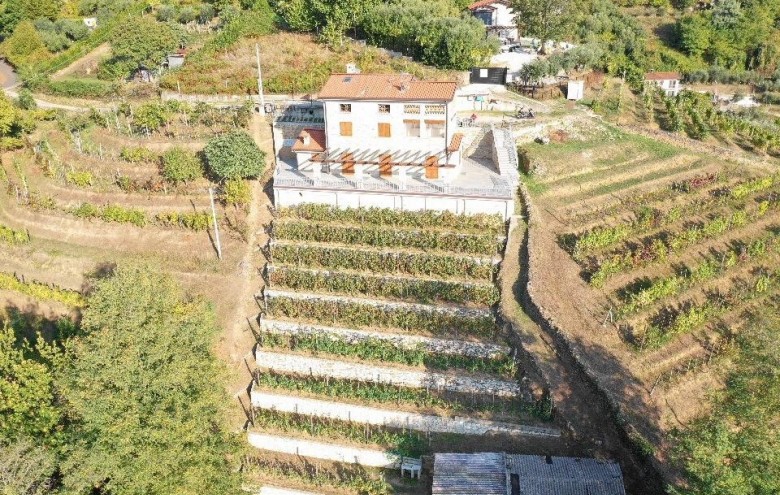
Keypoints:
pixel 486 3
pixel 316 140
pixel 386 87
pixel 455 143
pixel 661 76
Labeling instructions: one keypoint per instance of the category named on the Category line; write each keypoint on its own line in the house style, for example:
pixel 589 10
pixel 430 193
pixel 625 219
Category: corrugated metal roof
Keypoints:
pixel 565 475
pixel 469 474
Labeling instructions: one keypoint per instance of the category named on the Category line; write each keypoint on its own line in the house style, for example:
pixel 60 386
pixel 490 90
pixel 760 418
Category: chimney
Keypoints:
pixel 306 137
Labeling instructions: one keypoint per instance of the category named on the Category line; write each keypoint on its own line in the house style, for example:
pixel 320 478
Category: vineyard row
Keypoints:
pixel 409 443
pixel 710 268
pixel 342 258
pixel 41 291
pixel 373 349
pixel 480 223
pixel 13 237
pixel 647 219
pixel 673 324
pixel 360 284
pixel 386 394
pixel 362 315
pixel 385 236
pixel 659 248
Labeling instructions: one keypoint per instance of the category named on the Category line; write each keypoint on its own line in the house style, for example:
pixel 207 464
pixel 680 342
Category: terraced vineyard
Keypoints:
pixel 655 276
pixel 378 340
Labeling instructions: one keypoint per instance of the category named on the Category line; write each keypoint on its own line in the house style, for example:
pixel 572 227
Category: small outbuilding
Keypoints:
pixel 575 90
pixel 493 473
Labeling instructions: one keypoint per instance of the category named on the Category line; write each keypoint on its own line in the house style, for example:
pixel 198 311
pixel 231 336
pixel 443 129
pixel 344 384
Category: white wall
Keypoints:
pixel 325 451
pixel 410 202
pixel 365 118
pixel 504 15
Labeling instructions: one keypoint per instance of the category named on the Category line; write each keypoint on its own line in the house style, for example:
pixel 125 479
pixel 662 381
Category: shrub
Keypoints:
pixel 81 179
pixel 234 156
pixel 236 192
pixel 180 165
pixel 195 221
pixel 26 101
pixel 134 154
pixel 79 88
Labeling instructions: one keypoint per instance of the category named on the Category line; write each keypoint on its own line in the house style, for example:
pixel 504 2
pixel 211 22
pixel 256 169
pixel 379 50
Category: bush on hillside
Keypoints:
pixel 180 165
pixel 234 156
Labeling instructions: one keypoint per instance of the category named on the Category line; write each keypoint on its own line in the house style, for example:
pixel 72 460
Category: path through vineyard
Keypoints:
pixel 574 399
pixel 238 339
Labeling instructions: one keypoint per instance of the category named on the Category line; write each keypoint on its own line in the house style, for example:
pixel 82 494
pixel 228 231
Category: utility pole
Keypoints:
pixel 214 219
pixel 260 80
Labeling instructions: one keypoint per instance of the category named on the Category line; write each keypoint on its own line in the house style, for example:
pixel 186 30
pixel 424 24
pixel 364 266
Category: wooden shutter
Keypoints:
pixel 384 129
pixel 385 165
pixel 345 128
pixel 431 167
pixel 347 164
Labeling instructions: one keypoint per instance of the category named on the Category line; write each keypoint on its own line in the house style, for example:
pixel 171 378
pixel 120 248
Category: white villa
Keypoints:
pixel 669 82
pixel 498 17
pixel 376 123
pixel 388 140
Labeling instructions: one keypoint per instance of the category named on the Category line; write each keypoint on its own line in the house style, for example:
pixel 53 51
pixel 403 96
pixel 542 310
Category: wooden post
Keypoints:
pixel 216 228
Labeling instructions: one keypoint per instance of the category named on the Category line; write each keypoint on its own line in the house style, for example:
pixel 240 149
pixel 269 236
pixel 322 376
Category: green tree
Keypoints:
pixel 24 46
pixel 144 393
pixel 143 42
pixel 25 469
pixel 234 156
pixel 544 19
pixel 694 34
pixel 27 408
pixel 180 165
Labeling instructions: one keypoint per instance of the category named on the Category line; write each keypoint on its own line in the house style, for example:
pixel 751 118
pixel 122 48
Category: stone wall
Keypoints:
pixel 568 350
pixel 311 366
pixel 325 451
pixel 392 419
pixel 440 346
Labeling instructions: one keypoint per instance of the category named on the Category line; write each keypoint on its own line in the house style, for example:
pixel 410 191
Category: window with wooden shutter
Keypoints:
pixel 385 165
pixel 347 164
pixel 345 128
pixel 384 129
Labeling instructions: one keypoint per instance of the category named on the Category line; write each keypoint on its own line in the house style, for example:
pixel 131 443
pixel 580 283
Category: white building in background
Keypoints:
pixel 669 82
pixel 390 141
pixel 498 17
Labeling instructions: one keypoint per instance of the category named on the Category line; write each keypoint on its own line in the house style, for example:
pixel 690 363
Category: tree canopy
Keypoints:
pixel 544 19
pixel 143 42
pixel 144 393
pixel 234 156
pixel 27 408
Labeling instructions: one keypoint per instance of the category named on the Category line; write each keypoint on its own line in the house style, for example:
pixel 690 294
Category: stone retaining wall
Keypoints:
pixel 325 451
pixel 563 345
pixel 306 365
pixel 439 346
pixel 422 308
pixel 393 419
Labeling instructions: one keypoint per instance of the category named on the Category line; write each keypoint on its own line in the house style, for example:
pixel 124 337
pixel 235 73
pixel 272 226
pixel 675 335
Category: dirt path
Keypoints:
pixel 576 404
pixel 238 339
